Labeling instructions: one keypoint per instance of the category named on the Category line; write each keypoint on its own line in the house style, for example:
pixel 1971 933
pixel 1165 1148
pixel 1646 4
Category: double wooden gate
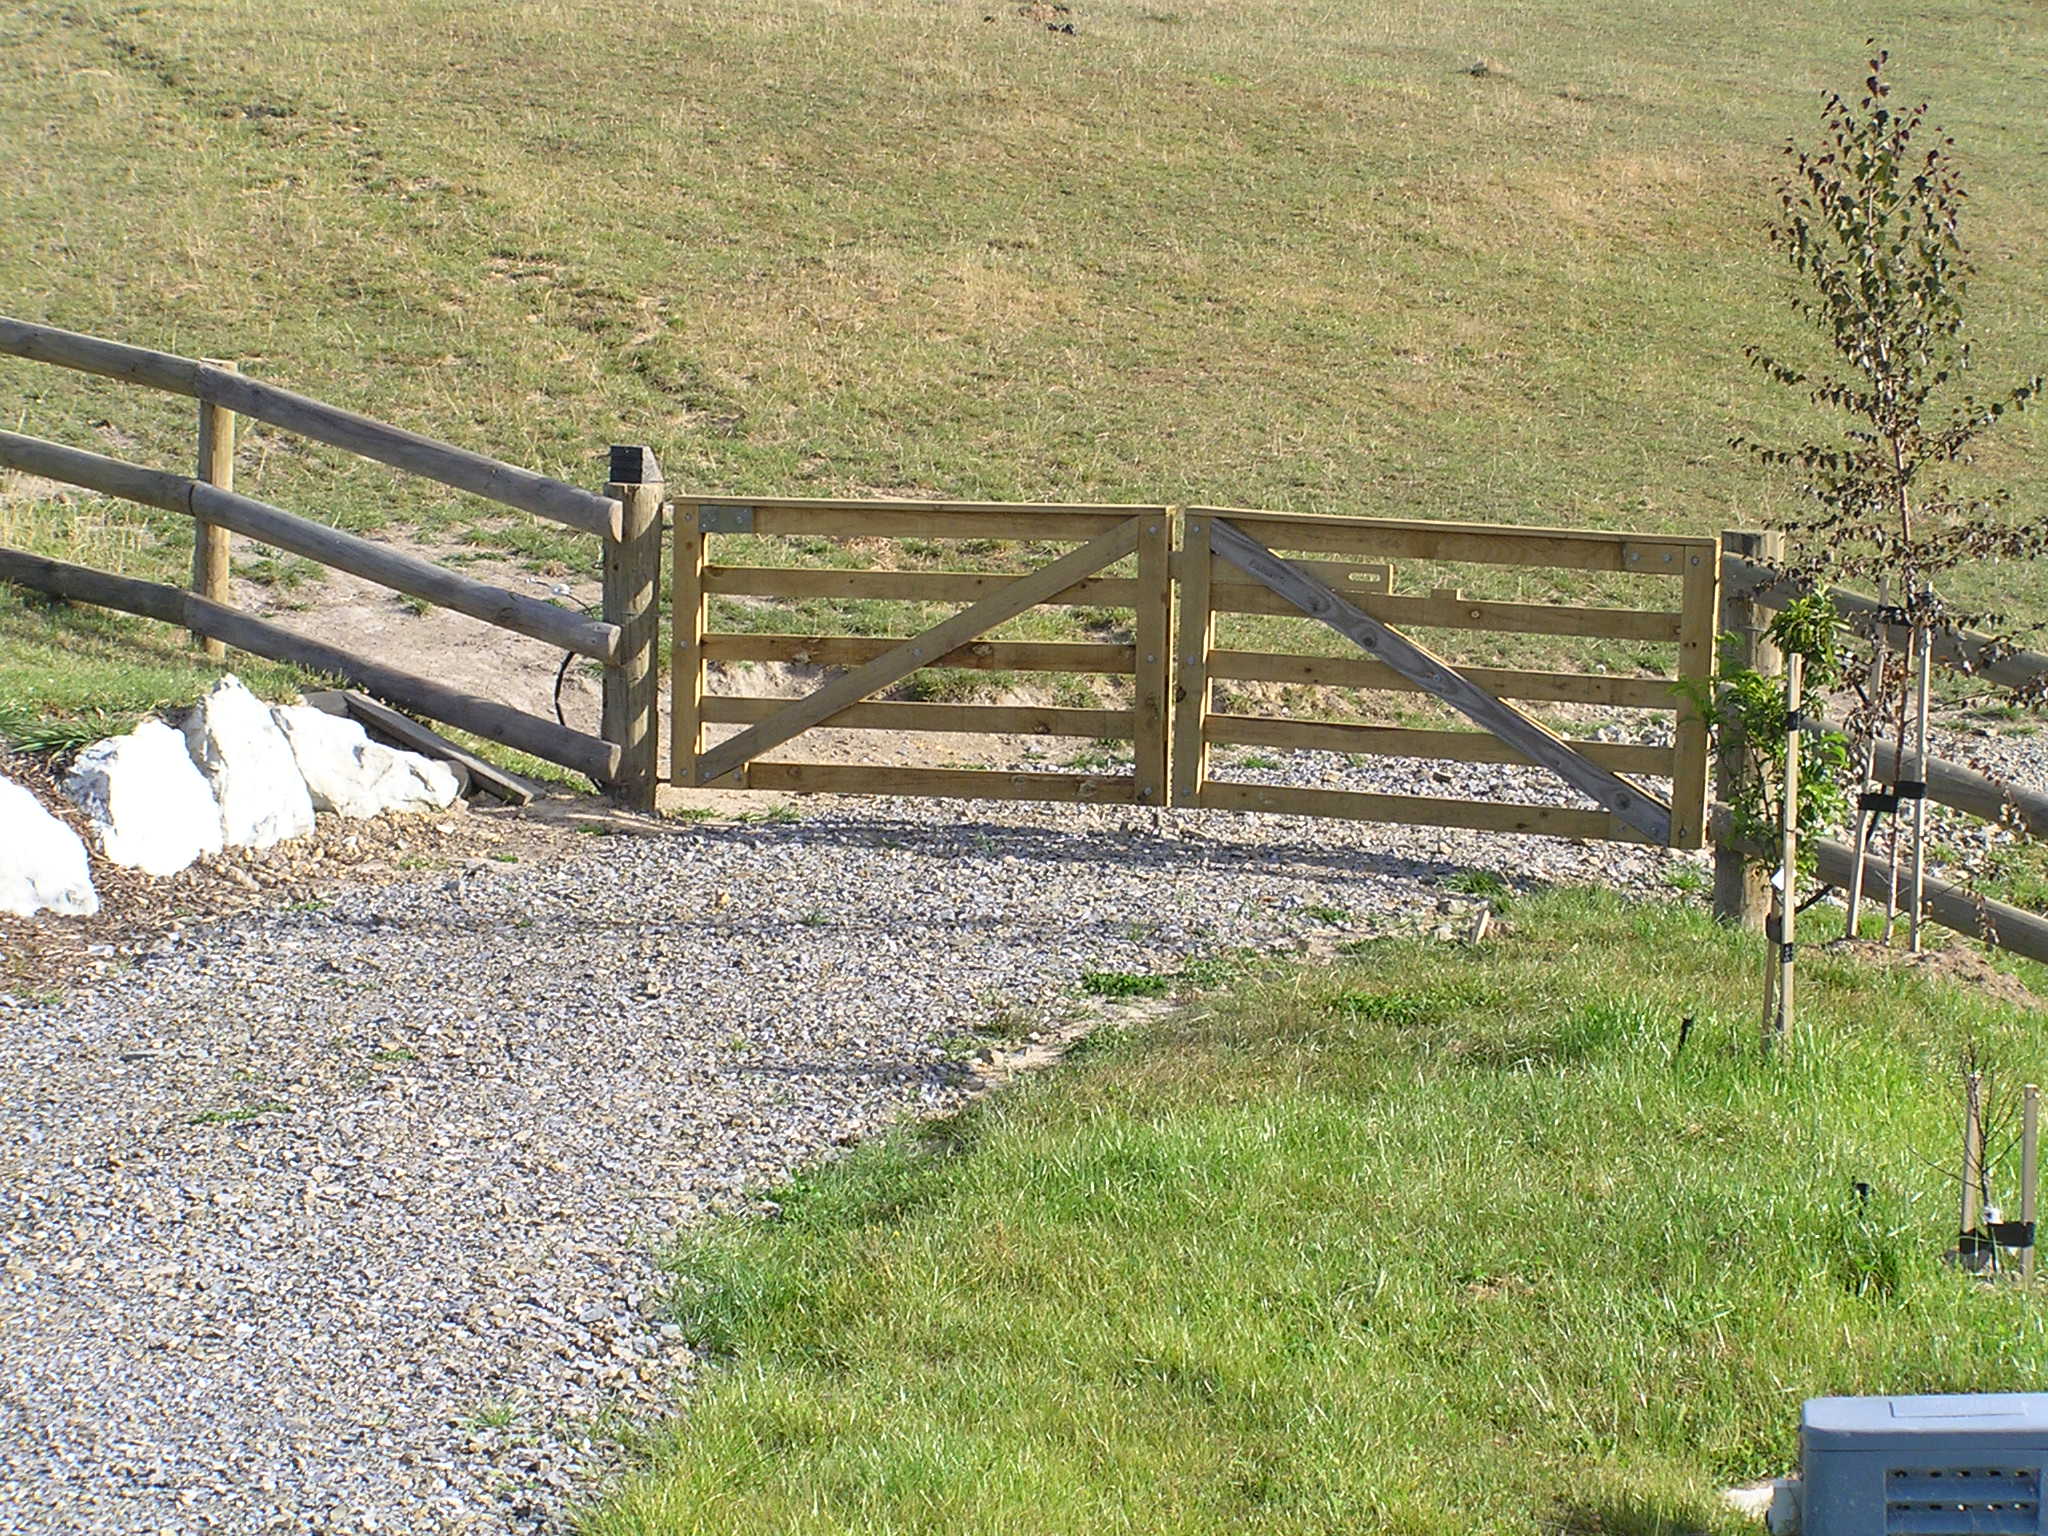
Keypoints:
pixel 1256 609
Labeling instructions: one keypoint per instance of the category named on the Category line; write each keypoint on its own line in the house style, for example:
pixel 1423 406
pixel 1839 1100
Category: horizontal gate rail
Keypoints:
pixel 1409 741
pixel 1477 544
pixel 905 586
pixel 1502 682
pixel 1451 609
pixel 978 655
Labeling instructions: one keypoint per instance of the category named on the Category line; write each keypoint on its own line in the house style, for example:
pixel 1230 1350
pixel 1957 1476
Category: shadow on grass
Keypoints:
pixel 1629 1516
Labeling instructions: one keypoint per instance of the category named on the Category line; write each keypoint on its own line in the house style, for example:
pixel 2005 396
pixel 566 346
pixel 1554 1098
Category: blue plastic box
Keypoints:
pixel 1924 1466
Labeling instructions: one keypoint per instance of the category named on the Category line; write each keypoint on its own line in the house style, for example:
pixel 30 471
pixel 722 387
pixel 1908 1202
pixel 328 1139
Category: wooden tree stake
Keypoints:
pixel 1781 1019
pixel 2030 1163
pixel 1866 822
pixel 1740 895
pixel 1973 1149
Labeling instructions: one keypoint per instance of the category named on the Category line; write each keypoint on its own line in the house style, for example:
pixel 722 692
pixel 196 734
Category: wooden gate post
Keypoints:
pixel 632 600
pixel 1740 896
pixel 209 540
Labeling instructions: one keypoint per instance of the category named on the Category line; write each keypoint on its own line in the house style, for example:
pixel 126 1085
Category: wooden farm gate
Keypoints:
pixel 1111 559
pixel 1118 563
pixel 1229 566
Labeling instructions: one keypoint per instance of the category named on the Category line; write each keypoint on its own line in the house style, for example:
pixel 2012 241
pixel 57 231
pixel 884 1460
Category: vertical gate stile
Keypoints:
pixel 1192 643
pixel 686 645
pixel 1697 633
pixel 1153 634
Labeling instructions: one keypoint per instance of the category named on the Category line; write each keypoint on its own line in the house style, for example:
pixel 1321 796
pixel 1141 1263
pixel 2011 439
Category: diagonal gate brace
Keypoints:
pixel 897 663
pixel 1616 795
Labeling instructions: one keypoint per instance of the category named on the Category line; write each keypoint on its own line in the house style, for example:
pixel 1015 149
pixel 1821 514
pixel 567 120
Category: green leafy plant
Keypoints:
pixel 44 736
pixel 1749 711
pixel 1870 226
pixel 1869 223
pixel 1124 984
pixel 1481 882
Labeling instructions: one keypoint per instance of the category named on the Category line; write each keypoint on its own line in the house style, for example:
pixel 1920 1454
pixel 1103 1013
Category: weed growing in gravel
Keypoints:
pixel 498 1413
pixel 1318 912
pixel 1685 877
pixel 776 816
pixel 1481 882
pixel 240 1113
pixel 1124 984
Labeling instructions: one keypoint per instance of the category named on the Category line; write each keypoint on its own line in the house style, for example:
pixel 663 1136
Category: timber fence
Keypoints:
pixel 625 517
pixel 1753 586
pixel 1168 584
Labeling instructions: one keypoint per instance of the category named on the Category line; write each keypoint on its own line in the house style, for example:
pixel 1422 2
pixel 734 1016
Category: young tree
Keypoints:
pixel 1869 225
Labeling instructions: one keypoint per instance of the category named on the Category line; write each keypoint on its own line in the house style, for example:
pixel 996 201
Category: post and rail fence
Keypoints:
pixel 623 641
pixel 1752 588
pixel 1180 578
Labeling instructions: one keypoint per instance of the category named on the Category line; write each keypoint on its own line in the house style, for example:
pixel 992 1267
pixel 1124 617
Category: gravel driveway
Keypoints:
pixel 342 1219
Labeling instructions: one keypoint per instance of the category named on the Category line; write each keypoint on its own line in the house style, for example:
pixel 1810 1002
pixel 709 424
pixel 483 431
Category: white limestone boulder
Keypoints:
pixel 254 774
pixel 42 862
pixel 351 775
pixel 152 809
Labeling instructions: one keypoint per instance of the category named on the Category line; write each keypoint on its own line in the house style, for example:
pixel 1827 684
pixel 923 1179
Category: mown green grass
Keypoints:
pixel 1249 253
pixel 1433 1240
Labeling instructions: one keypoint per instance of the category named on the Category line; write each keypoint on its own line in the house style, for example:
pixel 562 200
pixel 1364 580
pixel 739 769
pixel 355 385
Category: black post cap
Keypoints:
pixel 634 464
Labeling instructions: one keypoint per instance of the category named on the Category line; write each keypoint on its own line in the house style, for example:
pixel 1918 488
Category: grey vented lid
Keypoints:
pixel 1872 1423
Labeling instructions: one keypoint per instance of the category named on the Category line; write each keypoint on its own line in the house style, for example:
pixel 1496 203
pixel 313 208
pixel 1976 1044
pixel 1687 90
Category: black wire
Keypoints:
pixel 561 677
pixel 1814 900
pixel 590 610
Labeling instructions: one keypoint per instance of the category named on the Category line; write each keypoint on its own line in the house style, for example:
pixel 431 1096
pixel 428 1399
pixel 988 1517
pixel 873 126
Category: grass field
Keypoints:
pixel 1300 256
pixel 1431 1241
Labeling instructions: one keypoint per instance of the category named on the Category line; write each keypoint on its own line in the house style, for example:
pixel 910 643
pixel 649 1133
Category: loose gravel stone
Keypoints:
pixel 345 1218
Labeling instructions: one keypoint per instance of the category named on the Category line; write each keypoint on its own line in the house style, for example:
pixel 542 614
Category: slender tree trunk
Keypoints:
pixel 1923 640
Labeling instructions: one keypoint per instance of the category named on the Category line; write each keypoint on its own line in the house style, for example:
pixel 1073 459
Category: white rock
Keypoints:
pixel 255 777
pixel 352 775
pixel 42 862
pixel 1777 1502
pixel 152 808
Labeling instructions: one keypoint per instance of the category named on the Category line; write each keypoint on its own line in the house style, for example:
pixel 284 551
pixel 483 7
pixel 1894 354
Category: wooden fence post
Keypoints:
pixel 210 572
pixel 632 600
pixel 1739 894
